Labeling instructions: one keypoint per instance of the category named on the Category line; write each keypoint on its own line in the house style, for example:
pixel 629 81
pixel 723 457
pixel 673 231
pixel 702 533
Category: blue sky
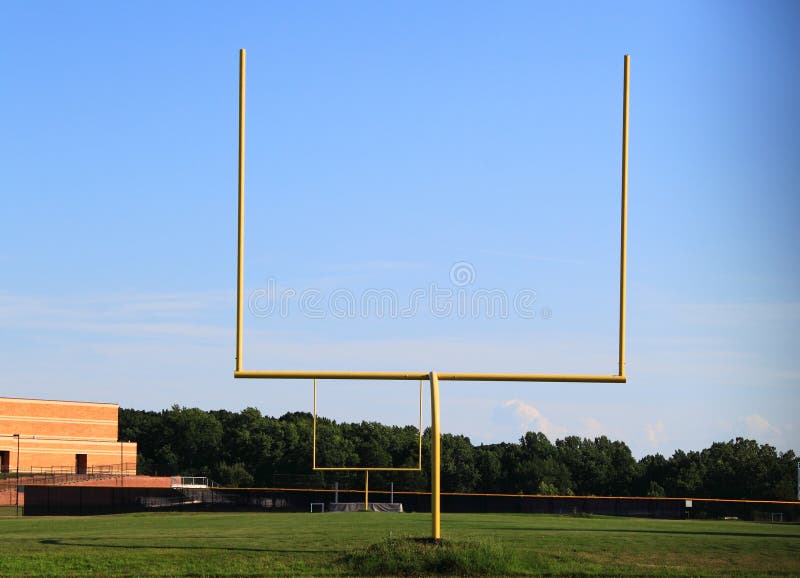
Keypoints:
pixel 400 150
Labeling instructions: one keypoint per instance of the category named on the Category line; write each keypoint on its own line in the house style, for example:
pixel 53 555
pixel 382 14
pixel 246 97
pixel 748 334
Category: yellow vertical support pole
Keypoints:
pixel 366 490
pixel 624 217
pixel 436 450
pixel 419 454
pixel 240 256
pixel 314 426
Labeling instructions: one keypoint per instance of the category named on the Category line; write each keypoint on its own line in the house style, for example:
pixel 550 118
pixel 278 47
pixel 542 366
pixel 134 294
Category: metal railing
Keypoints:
pixel 192 482
pixel 55 475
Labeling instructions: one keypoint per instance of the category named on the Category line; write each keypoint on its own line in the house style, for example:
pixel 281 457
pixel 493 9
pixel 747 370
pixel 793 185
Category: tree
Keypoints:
pixel 488 467
pixel 540 467
pixel 235 475
pixel 245 448
pixel 652 469
pixel 686 475
pixel 459 473
pixel 196 438
pixel 783 477
pixel 740 469
pixel 654 490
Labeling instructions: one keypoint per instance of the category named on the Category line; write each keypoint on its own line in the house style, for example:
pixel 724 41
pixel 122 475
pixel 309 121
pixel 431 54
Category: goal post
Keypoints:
pixel 365 469
pixel 433 377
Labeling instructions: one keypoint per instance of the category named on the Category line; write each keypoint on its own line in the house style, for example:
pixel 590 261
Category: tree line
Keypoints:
pixel 249 449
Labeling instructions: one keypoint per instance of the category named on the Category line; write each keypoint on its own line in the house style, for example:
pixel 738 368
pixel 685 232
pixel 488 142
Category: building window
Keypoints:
pixel 5 462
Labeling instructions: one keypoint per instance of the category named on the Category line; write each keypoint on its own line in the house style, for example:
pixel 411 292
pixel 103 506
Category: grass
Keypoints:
pixel 422 557
pixel 253 544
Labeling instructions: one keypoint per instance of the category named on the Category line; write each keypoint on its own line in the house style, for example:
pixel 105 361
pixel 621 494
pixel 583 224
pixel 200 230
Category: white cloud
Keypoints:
pixel 123 315
pixel 529 418
pixel 655 433
pixel 758 426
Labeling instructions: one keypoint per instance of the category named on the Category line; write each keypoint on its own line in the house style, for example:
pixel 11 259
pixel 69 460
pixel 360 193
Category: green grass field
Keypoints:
pixel 253 544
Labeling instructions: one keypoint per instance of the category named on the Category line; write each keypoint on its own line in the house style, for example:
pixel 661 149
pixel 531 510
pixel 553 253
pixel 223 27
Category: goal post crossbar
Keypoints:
pixel 443 376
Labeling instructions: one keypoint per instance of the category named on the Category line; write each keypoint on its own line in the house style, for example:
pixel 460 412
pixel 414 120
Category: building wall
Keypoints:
pixel 52 433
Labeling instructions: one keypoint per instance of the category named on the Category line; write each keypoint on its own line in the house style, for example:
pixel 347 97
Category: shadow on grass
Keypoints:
pixel 54 542
pixel 625 531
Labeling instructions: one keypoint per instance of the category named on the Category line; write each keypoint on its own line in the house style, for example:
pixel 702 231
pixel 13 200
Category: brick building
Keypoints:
pixel 64 436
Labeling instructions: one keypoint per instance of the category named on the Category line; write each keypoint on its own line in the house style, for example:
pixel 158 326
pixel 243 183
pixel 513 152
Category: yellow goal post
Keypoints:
pixel 432 377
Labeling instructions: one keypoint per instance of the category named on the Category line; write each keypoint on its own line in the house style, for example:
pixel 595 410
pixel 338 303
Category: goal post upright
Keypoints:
pixel 623 233
pixel 240 238
pixel 436 460
pixel 432 377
